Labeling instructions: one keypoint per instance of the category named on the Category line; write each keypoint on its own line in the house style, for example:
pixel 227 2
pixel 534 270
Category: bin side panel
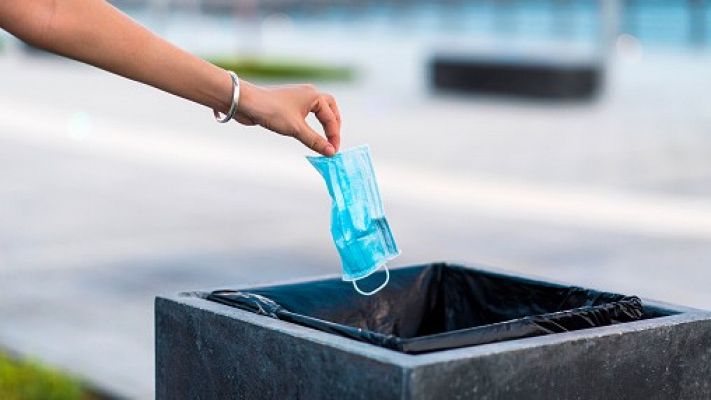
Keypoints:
pixel 204 355
pixel 670 361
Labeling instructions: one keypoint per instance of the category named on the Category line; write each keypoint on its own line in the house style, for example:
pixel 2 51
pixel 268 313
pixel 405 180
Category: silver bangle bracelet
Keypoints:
pixel 235 100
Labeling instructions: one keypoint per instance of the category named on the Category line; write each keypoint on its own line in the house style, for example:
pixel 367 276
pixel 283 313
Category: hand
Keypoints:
pixel 142 56
pixel 283 109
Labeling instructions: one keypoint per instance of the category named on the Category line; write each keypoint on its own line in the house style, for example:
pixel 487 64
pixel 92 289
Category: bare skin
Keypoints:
pixel 96 33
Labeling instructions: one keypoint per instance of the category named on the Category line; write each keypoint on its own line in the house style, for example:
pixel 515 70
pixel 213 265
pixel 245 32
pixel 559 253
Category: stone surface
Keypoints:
pixel 208 350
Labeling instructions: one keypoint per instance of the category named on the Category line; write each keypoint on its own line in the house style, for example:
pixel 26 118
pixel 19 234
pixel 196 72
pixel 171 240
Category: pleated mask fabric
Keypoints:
pixel 359 227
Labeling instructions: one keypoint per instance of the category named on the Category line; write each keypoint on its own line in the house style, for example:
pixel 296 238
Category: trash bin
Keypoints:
pixel 437 331
pixel 438 307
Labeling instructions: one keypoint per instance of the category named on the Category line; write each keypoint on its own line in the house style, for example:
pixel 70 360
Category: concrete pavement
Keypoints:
pixel 112 192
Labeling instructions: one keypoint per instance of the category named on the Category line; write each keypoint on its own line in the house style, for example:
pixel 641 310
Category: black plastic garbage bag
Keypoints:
pixel 438 306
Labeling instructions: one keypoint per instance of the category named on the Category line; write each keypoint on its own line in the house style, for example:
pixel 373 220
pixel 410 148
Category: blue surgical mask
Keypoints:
pixel 358 224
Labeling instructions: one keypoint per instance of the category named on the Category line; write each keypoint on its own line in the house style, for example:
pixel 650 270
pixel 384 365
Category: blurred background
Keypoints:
pixel 566 139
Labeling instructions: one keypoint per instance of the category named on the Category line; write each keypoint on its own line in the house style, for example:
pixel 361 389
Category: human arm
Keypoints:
pixel 94 32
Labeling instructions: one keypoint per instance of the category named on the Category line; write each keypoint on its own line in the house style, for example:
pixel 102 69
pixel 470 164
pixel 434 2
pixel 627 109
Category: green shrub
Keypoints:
pixel 284 69
pixel 31 381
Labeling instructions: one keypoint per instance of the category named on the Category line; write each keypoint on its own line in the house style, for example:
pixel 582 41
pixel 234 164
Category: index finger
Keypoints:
pixel 329 119
pixel 314 141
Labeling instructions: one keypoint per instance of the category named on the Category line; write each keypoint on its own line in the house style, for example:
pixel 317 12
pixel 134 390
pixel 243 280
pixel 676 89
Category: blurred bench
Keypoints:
pixel 554 79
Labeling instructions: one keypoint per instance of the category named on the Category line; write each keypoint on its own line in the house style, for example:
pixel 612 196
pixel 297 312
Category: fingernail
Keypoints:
pixel 330 150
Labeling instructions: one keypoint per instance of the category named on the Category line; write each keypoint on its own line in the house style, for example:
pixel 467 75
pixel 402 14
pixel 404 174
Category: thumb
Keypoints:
pixel 314 141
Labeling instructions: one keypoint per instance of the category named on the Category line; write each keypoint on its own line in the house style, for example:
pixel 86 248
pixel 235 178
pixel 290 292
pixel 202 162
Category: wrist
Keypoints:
pixel 235 92
pixel 222 91
pixel 248 92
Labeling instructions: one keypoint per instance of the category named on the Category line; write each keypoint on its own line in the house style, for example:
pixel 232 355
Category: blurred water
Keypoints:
pixel 390 43
pixel 657 23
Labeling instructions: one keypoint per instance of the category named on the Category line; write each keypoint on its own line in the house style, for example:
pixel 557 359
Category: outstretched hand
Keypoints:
pixel 283 109
pixel 66 27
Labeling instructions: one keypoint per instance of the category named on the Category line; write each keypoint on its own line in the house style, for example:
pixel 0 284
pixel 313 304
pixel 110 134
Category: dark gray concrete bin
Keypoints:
pixel 207 350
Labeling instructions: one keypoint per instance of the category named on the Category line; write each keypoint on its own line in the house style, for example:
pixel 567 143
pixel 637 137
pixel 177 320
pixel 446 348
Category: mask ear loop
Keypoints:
pixel 377 289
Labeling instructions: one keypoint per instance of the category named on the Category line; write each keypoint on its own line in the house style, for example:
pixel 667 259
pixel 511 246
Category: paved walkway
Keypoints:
pixel 118 193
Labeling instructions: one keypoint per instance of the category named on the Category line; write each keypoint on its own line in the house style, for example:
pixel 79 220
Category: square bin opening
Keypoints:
pixel 439 306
